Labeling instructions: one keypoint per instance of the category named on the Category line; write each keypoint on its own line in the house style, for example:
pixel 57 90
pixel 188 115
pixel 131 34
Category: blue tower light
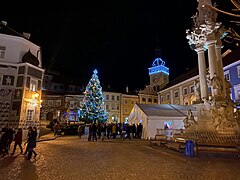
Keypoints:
pixel 158 66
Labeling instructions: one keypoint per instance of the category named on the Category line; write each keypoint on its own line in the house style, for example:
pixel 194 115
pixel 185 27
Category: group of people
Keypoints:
pixel 111 130
pixel 9 135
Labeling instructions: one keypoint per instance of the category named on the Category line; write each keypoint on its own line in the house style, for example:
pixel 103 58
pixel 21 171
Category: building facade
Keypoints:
pixel 127 103
pixel 64 108
pixel 113 106
pixel 21 76
pixel 181 90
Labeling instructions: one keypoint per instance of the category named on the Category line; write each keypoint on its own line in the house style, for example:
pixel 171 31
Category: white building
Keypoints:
pixel 21 76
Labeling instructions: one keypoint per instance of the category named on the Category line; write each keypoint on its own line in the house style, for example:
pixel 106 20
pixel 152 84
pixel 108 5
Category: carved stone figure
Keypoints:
pixel 189 120
pixel 197 90
pixel 216 86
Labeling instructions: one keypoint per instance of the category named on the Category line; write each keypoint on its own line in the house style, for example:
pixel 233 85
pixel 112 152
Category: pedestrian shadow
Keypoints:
pixel 28 170
pixel 7 161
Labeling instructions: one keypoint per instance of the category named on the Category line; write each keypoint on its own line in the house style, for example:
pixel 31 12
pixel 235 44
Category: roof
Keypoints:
pixel 30 58
pixel 148 90
pixel 4 29
pixel 170 110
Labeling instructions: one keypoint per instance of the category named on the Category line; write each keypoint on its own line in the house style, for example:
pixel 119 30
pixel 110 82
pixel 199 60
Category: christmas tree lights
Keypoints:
pixel 93 109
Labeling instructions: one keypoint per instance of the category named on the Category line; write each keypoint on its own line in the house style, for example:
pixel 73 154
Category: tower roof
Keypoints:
pixel 30 58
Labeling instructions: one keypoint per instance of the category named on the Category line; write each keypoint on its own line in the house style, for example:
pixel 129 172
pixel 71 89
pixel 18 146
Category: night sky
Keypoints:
pixel 118 38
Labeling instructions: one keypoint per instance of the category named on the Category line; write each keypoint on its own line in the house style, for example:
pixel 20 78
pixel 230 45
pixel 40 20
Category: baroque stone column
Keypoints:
pixel 220 68
pixel 202 72
pixel 212 59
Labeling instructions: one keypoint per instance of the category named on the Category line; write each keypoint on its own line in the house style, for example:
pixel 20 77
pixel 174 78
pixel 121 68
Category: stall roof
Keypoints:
pixel 170 110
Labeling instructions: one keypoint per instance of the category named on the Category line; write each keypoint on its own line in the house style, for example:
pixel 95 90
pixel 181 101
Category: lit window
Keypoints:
pixel 29 115
pixel 33 85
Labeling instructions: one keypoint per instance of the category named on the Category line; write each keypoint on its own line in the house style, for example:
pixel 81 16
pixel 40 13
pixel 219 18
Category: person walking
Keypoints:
pixel 32 142
pixel 18 141
pixel 4 143
pixel 80 131
pixel 28 136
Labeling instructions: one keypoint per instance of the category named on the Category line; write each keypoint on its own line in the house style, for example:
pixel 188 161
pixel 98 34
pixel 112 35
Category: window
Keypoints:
pixel 118 98
pixel 107 97
pixel 238 71
pixel 168 96
pixel 29 115
pixel 58 103
pixel 113 98
pixel 2 52
pixel 149 100
pixel 33 85
pixel 227 75
pixel 50 103
pixel 185 91
pixel 176 94
pixel 113 106
pixel 71 104
pixel 107 107
pixel 132 102
pixel 125 110
pixel 192 89
pixel 125 102
pixel 162 99
pixel 118 107
pixel 143 99
pixel 155 100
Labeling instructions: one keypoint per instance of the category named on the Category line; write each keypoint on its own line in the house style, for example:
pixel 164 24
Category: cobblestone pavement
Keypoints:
pixel 72 158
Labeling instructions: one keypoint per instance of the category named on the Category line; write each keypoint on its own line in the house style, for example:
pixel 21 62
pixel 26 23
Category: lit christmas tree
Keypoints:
pixel 92 109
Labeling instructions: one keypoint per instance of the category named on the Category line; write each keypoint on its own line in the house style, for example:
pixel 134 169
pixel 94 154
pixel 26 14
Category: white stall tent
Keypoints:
pixel 155 116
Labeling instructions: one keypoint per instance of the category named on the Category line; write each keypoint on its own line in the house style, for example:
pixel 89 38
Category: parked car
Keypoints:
pixel 70 129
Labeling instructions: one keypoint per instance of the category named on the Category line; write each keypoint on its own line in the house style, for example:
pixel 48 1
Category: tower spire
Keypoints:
pixel 157 50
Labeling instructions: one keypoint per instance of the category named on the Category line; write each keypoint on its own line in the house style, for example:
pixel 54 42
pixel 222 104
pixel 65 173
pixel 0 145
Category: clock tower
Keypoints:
pixel 158 73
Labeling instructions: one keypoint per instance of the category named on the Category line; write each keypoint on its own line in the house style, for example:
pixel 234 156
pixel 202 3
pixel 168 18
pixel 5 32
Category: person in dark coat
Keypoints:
pixel 18 141
pixel 4 144
pixel 28 136
pixel 9 132
pixel 32 142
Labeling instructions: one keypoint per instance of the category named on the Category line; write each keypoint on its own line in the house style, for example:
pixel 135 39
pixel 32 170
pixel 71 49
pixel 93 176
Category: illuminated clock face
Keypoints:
pixel 155 78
